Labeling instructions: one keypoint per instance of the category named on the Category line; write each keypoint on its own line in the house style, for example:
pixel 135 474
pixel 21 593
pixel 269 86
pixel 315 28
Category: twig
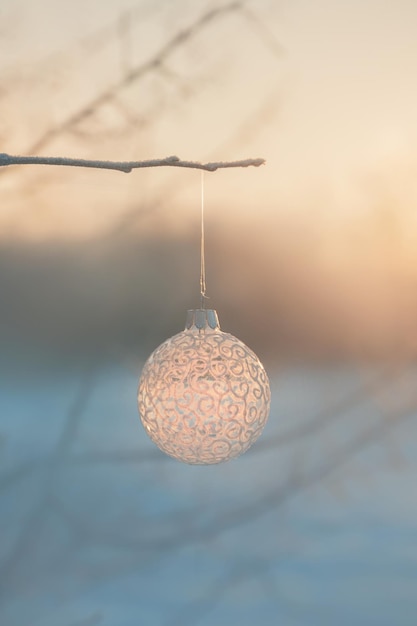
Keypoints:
pixel 126 166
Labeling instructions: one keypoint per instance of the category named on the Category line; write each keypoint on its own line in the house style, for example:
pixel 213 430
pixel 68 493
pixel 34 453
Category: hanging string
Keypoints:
pixel 202 250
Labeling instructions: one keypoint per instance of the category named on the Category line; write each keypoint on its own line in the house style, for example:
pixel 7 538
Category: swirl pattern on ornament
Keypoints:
pixel 203 396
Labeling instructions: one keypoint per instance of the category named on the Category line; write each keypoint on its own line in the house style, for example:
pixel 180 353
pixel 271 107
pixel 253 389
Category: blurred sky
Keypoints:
pixel 322 236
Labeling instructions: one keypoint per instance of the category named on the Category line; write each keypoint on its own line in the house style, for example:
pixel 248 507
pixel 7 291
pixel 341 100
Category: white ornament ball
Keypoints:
pixel 203 395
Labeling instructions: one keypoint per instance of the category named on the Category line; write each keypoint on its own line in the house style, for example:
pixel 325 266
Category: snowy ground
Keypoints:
pixel 315 526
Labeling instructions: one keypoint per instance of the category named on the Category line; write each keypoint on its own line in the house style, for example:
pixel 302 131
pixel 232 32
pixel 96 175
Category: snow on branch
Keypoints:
pixel 126 166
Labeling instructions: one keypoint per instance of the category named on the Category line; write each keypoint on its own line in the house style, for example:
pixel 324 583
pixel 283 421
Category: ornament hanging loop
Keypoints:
pixel 203 295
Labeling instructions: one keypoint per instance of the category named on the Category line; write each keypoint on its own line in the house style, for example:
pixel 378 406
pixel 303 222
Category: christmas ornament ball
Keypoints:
pixel 203 395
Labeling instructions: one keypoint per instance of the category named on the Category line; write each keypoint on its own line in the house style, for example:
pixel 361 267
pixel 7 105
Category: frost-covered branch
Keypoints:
pixel 126 166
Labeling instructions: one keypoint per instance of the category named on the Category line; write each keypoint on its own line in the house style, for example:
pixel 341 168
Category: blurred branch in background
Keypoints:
pixel 123 31
pixel 11 568
pixel 133 74
pixel 192 612
pixel 189 527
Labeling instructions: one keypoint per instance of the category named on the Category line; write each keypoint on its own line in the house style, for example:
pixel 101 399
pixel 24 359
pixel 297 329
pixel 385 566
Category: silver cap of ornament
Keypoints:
pixel 201 319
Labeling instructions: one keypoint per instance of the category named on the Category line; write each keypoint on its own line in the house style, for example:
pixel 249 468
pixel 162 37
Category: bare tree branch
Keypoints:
pixel 126 166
